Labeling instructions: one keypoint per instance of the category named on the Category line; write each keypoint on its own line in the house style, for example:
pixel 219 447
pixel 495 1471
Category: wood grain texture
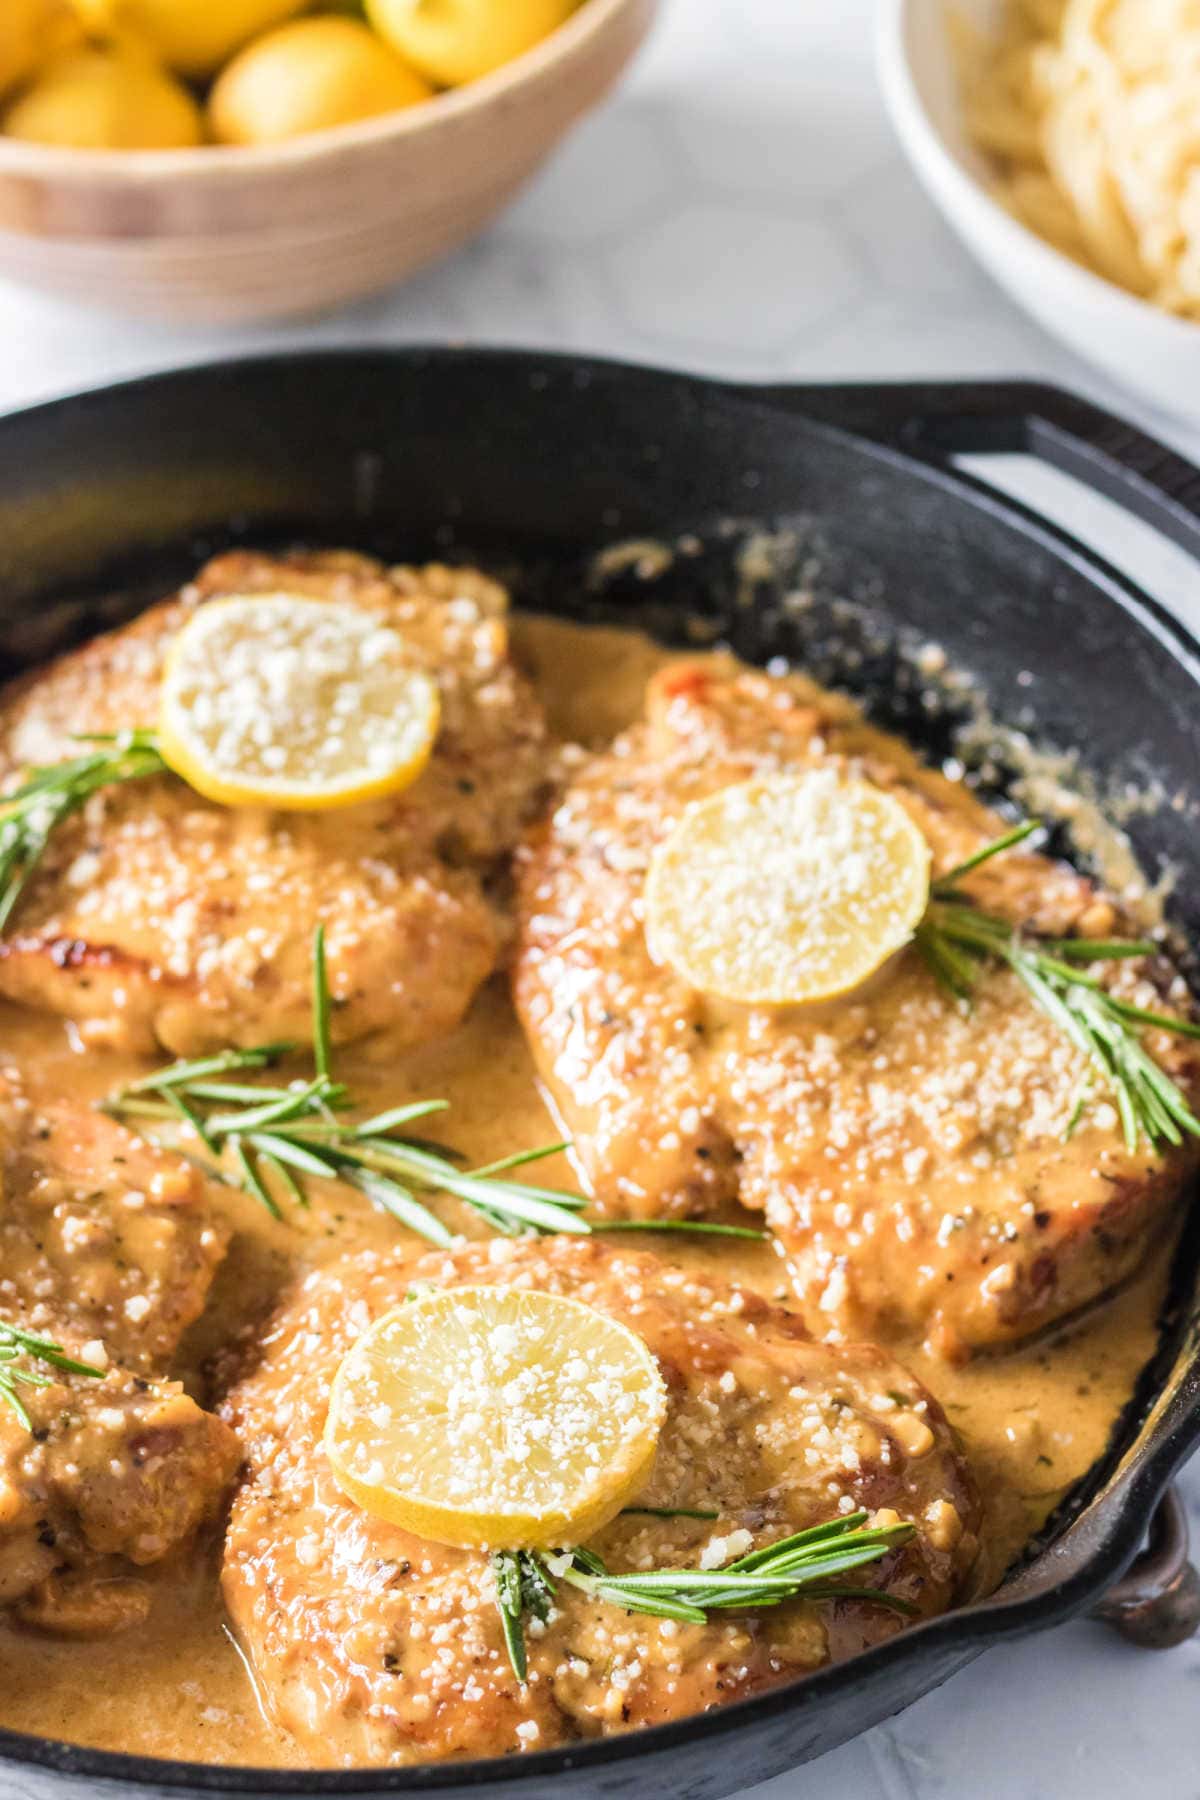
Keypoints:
pixel 221 235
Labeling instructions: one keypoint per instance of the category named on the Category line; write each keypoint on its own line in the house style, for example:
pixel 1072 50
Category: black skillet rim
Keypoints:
pixel 967 1632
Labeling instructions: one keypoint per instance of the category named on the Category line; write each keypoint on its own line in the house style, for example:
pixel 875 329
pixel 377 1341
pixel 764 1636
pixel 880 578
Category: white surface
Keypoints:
pixel 1158 355
pixel 742 208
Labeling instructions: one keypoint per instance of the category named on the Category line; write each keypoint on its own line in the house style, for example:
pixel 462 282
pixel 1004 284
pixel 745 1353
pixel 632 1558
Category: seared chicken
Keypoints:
pixel 909 1154
pixel 102 1236
pixel 160 918
pixel 114 1475
pixel 376 1647
pixel 107 1246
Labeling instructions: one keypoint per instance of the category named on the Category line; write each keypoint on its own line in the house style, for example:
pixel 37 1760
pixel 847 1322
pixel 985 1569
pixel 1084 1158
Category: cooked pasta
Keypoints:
pixel 1090 110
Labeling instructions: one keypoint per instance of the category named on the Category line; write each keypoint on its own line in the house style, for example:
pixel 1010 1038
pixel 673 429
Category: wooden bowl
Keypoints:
pixel 218 234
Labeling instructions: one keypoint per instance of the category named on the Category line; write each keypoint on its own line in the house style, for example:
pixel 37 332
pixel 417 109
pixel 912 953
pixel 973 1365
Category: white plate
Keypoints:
pixel 1151 352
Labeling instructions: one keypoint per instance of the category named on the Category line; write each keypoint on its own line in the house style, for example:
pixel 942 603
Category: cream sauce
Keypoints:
pixel 1032 1421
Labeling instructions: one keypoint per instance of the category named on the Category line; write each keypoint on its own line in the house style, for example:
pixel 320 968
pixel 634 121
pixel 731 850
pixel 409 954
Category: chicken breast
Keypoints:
pixel 375 1647
pixel 160 918
pixel 102 1237
pixel 108 1247
pixel 112 1476
pixel 909 1154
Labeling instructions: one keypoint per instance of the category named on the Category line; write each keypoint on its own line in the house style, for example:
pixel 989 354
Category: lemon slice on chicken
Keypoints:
pixel 495 1417
pixel 280 700
pixel 788 891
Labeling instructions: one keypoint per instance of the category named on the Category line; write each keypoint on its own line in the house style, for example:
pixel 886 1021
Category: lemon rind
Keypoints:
pixel 184 753
pixel 625 1475
pixel 667 944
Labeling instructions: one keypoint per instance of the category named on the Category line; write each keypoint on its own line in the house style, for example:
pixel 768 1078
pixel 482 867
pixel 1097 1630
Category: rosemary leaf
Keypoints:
pixel 670 1512
pixel 286 1179
pixel 1099 949
pixel 958 940
pixel 700 1227
pixel 519 1159
pixel 236 1093
pixel 193 1074
pixel 294 1103
pixel 295 1155
pixel 190 1117
pixel 402 1203
pixel 16 1345
pixel 506 1573
pixel 32 813
pixel 253 1182
pixel 322 1045
pixel 947 883
pixel 392 1120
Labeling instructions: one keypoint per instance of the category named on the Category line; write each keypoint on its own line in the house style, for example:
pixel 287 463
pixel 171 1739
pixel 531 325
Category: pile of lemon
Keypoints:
pixel 168 74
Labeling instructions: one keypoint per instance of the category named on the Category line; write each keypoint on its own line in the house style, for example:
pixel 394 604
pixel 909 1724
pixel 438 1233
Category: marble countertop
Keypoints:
pixel 741 208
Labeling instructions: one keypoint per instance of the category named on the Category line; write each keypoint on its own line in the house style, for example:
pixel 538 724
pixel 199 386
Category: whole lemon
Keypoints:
pixel 30 32
pixel 307 77
pixel 110 99
pixel 194 37
pixel 453 41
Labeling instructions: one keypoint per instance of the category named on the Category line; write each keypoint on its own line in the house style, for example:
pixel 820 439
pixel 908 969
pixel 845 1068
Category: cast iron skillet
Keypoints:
pixel 534 464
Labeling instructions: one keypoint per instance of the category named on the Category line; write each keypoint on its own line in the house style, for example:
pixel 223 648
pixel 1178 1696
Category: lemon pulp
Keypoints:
pixel 281 700
pixel 495 1417
pixel 787 891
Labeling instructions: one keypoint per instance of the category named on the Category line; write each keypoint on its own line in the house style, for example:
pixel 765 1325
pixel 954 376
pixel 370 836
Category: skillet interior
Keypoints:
pixel 534 465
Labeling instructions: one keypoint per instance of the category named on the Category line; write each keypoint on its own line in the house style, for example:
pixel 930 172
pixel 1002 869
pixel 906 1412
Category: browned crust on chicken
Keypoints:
pixel 909 1156
pixel 373 1646
pixel 159 918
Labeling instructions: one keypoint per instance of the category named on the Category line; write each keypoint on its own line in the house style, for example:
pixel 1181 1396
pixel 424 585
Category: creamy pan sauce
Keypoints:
pixel 1032 1421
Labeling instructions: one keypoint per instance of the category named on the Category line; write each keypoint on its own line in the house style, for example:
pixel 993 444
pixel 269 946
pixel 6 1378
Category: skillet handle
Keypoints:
pixel 1156 1603
pixel 938 420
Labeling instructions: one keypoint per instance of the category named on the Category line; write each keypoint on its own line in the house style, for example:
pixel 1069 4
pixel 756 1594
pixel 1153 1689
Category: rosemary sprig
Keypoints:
pixel 957 939
pixel 523 1590
pixel 765 1577
pixel 271 1139
pixel 32 813
pixel 15 1345
pixel 808 1563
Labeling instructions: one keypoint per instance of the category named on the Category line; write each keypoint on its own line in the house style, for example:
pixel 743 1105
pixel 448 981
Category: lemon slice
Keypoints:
pixel 497 1417
pixel 786 892
pixel 286 701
